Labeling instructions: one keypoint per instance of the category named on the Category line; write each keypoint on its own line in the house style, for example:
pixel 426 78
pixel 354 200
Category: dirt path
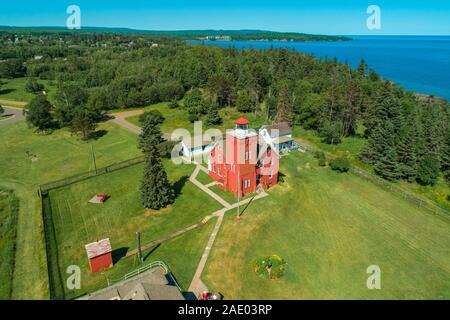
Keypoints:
pixel 120 119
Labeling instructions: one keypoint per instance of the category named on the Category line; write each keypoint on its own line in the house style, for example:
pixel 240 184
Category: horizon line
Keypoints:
pixel 222 29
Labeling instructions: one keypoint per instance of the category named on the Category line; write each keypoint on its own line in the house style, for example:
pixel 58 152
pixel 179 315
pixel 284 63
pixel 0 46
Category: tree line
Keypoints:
pixel 407 137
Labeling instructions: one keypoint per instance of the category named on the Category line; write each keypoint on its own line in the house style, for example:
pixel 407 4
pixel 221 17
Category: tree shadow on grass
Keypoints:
pixel 179 185
pixel 6 91
pixel 98 134
pixel 119 253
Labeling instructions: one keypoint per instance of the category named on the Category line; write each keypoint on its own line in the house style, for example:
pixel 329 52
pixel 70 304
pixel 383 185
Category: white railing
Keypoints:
pixel 141 270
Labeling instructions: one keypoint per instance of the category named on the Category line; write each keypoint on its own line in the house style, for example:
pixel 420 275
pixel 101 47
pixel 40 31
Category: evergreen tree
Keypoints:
pixel 213 117
pixel 407 151
pixel 362 67
pixel 428 171
pixel 381 139
pixel 39 113
pixel 156 190
pixel 244 101
pixel 387 166
pixel 284 106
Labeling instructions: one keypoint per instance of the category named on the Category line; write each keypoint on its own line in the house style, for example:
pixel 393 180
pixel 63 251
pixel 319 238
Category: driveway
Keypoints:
pixel 16 115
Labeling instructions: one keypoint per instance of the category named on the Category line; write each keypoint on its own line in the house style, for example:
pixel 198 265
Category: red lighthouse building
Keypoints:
pixel 245 161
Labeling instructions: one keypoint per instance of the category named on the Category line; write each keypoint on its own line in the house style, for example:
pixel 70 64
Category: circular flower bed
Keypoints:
pixel 270 267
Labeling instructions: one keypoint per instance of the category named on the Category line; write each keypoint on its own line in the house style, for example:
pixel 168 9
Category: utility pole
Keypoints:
pixel 93 158
pixel 138 238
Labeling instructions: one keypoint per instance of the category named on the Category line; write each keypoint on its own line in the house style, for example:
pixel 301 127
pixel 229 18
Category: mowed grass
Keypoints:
pixel 57 156
pixel 9 210
pixel 330 228
pixel 178 118
pixel 77 222
pixel 14 89
pixel 351 148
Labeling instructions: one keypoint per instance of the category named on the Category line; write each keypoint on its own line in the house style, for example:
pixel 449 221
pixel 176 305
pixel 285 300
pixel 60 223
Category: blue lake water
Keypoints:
pixel 420 64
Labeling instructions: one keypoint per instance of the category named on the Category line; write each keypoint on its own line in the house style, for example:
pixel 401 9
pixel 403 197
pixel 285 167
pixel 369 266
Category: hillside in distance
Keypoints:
pixel 202 35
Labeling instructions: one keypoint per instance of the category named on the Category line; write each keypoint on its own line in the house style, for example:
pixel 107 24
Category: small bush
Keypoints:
pixel 340 164
pixel 321 157
pixel 174 104
pixel 192 117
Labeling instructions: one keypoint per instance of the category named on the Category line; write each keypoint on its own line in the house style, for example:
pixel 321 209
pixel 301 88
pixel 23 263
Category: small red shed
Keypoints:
pixel 100 255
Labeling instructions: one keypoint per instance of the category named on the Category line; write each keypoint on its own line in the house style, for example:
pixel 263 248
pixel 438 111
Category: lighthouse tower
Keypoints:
pixel 242 164
pixel 241 156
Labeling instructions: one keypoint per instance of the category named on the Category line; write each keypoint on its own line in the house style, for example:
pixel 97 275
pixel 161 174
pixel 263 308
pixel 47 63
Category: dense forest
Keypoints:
pixel 233 35
pixel 407 138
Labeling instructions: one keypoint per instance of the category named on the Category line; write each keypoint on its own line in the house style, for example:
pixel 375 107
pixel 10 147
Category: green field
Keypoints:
pixel 52 157
pixel 330 227
pixel 77 222
pixel 352 146
pixel 9 210
pixel 14 89
pixel 178 118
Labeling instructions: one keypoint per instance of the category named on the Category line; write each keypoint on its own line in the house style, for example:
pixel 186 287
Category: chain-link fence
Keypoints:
pixel 55 277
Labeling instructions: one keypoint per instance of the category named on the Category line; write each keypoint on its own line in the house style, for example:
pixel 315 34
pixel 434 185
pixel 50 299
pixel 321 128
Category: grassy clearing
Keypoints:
pixel 330 227
pixel 204 178
pixel 57 156
pixel 14 89
pixel 352 146
pixel 77 222
pixel 9 210
pixel 178 118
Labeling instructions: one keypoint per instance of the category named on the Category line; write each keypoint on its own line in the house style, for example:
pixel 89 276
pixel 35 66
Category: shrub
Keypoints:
pixel 321 157
pixel 192 117
pixel 340 164
pixel 173 104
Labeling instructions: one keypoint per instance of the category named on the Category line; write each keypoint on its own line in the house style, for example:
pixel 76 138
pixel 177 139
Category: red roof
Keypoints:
pixel 242 121
pixel 98 248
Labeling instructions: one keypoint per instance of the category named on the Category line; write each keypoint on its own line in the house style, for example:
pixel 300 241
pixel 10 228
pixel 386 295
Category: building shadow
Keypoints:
pixel 118 254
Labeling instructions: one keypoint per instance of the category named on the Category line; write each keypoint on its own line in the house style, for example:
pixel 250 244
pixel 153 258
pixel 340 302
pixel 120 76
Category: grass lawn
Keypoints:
pixel 57 156
pixel 229 196
pixel 14 89
pixel 352 146
pixel 178 118
pixel 77 222
pixel 330 227
pixel 9 210
pixel 204 178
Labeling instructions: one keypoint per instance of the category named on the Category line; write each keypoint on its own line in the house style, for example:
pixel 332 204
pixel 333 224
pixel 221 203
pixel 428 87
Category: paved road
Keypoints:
pixel 16 115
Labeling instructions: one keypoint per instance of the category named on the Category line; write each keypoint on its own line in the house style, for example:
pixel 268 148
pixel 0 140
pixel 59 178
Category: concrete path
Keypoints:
pixel 16 115
pixel 197 286
pixel 213 195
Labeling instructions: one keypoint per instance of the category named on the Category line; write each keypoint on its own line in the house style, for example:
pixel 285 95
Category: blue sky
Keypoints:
pixel 403 17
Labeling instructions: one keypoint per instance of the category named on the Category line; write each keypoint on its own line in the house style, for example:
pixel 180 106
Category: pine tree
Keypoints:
pixel 387 166
pixel 213 117
pixel 39 113
pixel 381 139
pixel 428 171
pixel 156 190
pixel 407 151
pixel 284 106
